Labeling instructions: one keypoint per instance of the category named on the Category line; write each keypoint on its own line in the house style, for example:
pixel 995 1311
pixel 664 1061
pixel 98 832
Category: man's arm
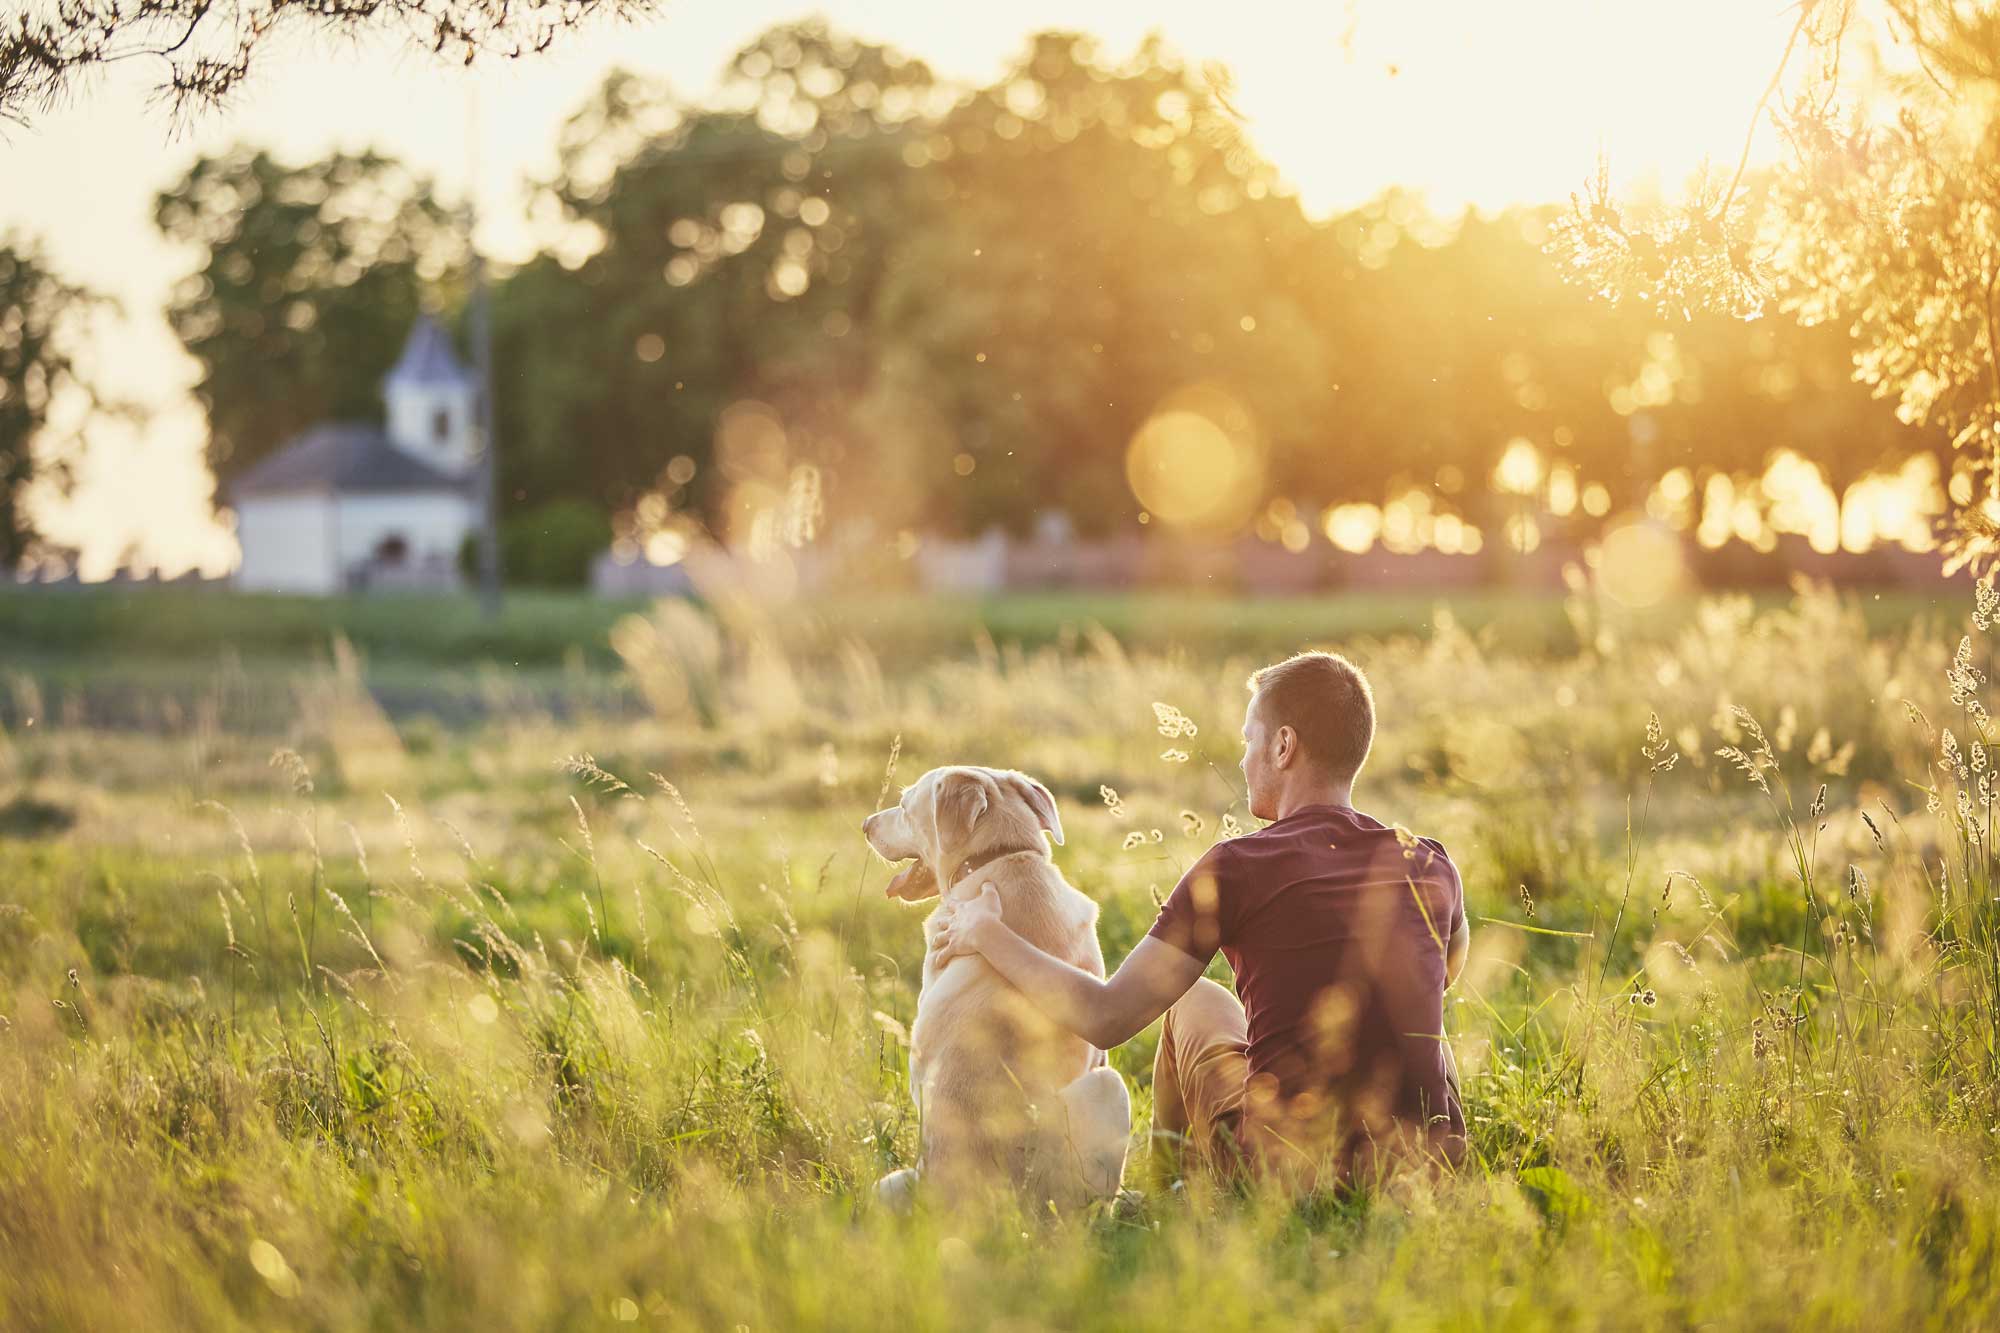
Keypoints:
pixel 1105 1013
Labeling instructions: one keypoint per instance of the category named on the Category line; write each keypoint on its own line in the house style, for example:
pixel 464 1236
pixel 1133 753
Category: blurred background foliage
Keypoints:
pixel 961 306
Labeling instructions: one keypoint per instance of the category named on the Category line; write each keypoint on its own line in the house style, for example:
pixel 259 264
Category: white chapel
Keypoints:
pixel 347 507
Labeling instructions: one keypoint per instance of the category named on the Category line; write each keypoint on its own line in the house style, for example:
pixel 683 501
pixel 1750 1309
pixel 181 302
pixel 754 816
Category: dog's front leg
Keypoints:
pixel 897 1191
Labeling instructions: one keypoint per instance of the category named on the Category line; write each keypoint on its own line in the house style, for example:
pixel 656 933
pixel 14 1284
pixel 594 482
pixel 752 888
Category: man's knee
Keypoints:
pixel 1206 1011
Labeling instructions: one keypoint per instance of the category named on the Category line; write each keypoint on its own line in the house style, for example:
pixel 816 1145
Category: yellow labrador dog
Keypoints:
pixel 1004 1095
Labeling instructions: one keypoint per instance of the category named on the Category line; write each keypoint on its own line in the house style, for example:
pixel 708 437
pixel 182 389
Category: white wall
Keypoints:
pixel 287 543
pixel 412 423
pixel 432 524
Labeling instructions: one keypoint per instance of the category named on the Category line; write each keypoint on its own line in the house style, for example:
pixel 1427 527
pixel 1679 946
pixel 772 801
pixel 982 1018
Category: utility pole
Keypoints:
pixel 482 352
pixel 489 441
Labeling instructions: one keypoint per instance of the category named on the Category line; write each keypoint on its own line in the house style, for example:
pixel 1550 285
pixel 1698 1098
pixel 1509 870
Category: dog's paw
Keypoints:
pixel 897 1191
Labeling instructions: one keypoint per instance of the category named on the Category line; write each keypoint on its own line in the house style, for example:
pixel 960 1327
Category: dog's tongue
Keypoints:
pixel 907 878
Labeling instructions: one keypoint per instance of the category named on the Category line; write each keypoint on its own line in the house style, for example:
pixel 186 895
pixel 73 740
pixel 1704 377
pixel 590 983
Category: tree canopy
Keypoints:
pixel 40 315
pixel 956 307
pixel 1883 222
pixel 203 49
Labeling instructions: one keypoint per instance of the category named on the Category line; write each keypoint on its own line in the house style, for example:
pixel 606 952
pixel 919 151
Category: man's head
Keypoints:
pixel 1306 732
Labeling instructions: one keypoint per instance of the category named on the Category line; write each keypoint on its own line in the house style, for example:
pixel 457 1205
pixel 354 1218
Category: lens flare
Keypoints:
pixel 1197 463
pixel 1639 564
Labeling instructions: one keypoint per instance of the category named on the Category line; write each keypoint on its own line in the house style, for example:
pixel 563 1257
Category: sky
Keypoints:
pixel 1472 102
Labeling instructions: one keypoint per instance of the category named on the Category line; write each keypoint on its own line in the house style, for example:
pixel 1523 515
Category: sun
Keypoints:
pixel 1490 105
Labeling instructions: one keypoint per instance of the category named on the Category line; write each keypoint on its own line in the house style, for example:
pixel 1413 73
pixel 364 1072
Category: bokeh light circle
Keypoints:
pixel 1640 564
pixel 1197 464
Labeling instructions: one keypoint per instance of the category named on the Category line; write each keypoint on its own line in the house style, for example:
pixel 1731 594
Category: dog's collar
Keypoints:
pixel 972 865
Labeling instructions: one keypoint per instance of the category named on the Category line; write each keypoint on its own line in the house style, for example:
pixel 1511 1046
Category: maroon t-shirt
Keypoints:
pixel 1336 927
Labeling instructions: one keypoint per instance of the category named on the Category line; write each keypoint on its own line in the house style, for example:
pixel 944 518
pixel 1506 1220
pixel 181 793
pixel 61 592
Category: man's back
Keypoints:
pixel 1336 927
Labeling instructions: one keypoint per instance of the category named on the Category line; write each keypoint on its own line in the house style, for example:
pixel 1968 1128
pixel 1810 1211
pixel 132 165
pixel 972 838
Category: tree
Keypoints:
pixel 1884 218
pixel 961 305
pixel 307 284
pixel 39 318
pixel 205 48
pixel 1102 239
pixel 739 250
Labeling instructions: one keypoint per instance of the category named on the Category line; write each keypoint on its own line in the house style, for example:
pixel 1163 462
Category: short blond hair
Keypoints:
pixel 1325 699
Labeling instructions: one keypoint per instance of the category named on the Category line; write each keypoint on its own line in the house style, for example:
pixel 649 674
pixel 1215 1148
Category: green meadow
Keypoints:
pixel 366 964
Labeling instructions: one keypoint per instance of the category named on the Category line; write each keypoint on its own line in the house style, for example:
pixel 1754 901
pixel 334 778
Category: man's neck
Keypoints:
pixel 1291 802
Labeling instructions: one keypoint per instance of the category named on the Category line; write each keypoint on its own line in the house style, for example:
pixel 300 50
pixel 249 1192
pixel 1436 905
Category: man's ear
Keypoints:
pixel 1042 801
pixel 962 798
pixel 1288 746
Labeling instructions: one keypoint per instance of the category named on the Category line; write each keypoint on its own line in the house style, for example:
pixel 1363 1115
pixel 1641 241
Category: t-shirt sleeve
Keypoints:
pixel 1195 919
pixel 1449 884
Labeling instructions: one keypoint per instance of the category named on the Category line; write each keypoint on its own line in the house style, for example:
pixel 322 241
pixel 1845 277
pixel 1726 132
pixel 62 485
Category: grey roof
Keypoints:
pixel 427 358
pixel 349 457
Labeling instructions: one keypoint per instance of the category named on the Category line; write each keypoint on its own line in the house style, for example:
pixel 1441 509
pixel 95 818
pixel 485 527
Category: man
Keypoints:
pixel 1342 932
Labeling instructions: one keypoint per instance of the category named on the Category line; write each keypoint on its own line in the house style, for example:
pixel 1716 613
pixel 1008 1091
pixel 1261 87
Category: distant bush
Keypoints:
pixel 550 546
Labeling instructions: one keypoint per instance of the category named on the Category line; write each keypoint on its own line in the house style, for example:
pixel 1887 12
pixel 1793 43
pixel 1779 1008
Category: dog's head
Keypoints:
pixel 951 813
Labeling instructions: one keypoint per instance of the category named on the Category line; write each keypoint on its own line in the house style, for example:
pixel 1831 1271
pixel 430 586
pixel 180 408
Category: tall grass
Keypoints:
pixel 603 1021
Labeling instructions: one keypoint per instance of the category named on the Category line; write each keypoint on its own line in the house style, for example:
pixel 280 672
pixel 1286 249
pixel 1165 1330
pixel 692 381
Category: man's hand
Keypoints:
pixel 1104 1012
pixel 964 923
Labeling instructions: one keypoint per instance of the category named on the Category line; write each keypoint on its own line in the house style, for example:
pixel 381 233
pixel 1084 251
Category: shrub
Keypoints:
pixel 550 546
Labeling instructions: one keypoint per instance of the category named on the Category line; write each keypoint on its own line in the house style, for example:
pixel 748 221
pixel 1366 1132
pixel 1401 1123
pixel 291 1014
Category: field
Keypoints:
pixel 365 966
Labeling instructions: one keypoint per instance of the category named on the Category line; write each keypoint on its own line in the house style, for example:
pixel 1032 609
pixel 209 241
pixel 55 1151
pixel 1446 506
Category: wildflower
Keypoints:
pixel 889 773
pixel 1230 828
pixel 1172 721
pixel 1647 998
pixel 1750 767
pixel 1658 750
pixel 1819 802
pixel 1857 883
pixel 1174 756
pixel 585 767
pixel 1133 839
pixel 1527 901
pixel 1964 678
pixel 1760 743
pixel 1191 824
pixel 289 762
pixel 1158 836
pixel 1880 844
pixel 1985 604
pixel 1112 802
pixel 804 506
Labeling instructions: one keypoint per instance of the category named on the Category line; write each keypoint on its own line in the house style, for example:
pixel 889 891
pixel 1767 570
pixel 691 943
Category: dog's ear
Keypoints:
pixel 1042 801
pixel 962 797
